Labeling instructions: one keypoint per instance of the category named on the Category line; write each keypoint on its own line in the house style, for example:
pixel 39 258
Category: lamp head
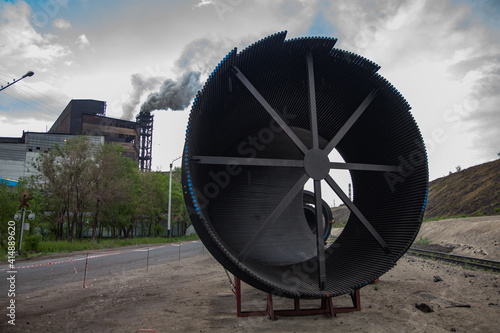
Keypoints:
pixel 30 73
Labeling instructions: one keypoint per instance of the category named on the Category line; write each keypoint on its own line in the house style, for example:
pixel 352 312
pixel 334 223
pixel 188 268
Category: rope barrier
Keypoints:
pixel 93 255
pixel 71 259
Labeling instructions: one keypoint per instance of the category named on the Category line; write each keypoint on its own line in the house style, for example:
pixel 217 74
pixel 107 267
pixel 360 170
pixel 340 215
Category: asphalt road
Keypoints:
pixel 48 273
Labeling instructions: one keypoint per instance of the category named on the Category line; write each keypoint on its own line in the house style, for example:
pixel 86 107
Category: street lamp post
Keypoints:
pixel 30 73
pixel 21 231
pixel 24 204
pixel 170 195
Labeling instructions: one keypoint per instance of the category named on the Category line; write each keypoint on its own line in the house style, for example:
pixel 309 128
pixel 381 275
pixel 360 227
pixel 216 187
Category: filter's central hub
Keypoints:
pixel 317 164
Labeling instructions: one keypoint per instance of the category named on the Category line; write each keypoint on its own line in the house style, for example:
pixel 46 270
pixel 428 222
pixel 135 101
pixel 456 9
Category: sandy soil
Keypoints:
pixel 194 295
pixel 473 236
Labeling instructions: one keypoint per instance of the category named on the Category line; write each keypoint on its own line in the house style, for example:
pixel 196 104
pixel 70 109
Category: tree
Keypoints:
pixel 8 207
pixel 153 201
pixel 85 187
pixel 115 182
pixel 179 214
pixel 65 173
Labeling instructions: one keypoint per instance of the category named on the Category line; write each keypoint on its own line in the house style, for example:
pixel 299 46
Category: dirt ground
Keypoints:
pixel 194 295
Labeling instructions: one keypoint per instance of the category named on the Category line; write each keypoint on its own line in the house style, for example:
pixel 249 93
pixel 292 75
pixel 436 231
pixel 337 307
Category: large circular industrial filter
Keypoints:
pixel 263 125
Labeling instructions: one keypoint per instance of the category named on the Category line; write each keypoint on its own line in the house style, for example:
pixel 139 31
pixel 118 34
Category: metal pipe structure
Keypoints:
pixel 28 74
pixel 24 203
pixel 264 124
pixel 145 120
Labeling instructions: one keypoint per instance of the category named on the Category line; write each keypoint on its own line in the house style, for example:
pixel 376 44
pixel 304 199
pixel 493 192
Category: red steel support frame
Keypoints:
pixel 326 306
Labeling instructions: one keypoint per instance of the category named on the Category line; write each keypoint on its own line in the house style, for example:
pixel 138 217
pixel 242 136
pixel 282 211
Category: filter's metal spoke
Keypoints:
pixel 285 202
pixel 354 117
pixel 312 100
pixel 320 243
pixel 227 160
pixel 363 166
pixel 269 109
pixel 336 188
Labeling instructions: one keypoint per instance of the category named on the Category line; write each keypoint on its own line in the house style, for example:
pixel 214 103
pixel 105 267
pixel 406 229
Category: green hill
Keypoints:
pixel 471 192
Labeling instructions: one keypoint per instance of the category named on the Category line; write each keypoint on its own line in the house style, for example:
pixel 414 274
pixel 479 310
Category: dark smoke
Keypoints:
pixel 140 84
pixel 197 60
pixel 174 95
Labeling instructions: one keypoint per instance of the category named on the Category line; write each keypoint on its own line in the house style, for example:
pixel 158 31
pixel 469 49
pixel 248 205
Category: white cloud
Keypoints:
pixel 62 24
pixel 82 41
pixel 444 62
pixel 22 44
pixel 204 3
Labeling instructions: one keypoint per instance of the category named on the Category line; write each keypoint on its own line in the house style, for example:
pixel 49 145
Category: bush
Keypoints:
pixel 423 240
pixel 32 243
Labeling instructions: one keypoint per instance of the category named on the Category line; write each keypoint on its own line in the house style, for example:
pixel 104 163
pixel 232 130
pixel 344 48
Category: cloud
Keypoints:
pixel 23 45
pixel 197 60
pixel 480 109
pixel 62 24
pixel 442 57
pixel 204 3
pixel 82 41
pixel 203 54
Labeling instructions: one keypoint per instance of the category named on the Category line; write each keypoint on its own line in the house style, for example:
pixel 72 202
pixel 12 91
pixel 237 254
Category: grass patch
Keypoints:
pixel 48 247
pixel 423 240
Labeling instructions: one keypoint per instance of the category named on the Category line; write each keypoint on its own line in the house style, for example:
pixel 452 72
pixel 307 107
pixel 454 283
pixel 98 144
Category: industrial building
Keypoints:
pixel 80 117
pixel 88 117
pixel 18 154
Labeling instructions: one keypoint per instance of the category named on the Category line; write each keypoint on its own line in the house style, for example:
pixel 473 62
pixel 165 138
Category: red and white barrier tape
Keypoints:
pixel 97 255
pixel 50 263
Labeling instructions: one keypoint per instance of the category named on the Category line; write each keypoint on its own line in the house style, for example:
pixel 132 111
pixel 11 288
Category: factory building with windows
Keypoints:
pixel 18 154
pixel 80 117
pixel 88 117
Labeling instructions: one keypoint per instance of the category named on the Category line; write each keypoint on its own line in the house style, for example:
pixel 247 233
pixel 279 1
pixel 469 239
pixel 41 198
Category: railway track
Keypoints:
pixel 469 262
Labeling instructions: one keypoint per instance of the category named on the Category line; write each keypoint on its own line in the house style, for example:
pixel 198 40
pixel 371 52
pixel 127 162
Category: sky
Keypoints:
pixel 443 57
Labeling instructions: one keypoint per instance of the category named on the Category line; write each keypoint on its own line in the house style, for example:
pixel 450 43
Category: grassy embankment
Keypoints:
pixel 466 193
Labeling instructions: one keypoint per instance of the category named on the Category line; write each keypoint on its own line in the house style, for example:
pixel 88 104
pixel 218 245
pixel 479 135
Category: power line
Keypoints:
pixel 39 103
pixel 28 74
pixel 47 96
pixel 10 77
pixel 28 104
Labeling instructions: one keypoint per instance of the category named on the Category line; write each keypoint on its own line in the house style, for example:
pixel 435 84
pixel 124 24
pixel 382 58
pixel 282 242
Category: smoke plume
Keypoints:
pixel 174 95
pixel 197 60
pixel 203 54
pixel 140 84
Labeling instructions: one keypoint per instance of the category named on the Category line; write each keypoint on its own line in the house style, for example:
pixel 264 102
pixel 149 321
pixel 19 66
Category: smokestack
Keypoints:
pixel 145 120
pixel 173 95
